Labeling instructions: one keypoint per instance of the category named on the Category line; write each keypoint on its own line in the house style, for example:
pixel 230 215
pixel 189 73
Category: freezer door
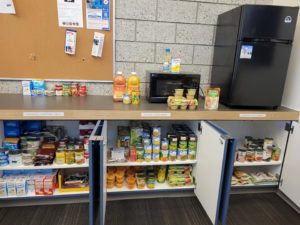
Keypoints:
pixel 97 174
pixel 271 22
pixel 290 182
pixel 259 74
pixel 212 181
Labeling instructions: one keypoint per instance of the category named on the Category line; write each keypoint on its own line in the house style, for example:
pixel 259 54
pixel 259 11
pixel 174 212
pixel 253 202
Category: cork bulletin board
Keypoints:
pixel 32 45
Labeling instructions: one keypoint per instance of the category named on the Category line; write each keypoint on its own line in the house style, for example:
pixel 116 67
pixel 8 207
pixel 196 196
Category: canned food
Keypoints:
pixel 148 149
pixel 66 89
pixel 136 98
pixel 126 99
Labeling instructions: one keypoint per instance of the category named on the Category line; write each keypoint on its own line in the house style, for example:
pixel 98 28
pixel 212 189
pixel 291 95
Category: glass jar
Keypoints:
pixel 140 153
pixel 60 157
pixel 151 181
pixel 259 154
pixel 33 142
pixel 70 156
pixel 27 157
pixel 161 175
pixel 79 156
pixel 241 155
pixel 141 181
pixel 74 89
pixel 250 155
pixel 276 153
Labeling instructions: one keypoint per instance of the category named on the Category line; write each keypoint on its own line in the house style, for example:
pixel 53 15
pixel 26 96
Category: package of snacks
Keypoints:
pixel 212 98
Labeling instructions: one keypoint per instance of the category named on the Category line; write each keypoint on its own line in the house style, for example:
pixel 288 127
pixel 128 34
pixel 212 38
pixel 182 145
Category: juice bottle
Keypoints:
pixel 119 87
pixel 133 83
pixel 167 62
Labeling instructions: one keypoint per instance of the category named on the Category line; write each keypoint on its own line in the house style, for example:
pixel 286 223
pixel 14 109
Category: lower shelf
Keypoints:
pixel 158 187
pixel 271 184
pixel 56 193
pixel 52 166
pixel 152 163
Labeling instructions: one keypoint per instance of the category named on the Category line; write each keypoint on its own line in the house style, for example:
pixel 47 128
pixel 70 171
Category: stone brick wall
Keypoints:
pixel 144 28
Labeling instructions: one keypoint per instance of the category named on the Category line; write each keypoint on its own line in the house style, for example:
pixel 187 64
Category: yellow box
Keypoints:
pixel 66 190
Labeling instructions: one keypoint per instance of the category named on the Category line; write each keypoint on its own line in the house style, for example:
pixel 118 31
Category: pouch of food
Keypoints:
pixel 212 98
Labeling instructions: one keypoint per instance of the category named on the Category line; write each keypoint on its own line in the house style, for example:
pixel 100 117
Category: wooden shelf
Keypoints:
pixel 177 162
pixel 271 163
pixel 158 187
pixel 19 107
pixel 55 194
pixel 53 166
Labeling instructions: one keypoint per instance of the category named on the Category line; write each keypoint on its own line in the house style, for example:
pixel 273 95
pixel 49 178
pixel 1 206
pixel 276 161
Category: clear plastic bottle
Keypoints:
pixel 167 62
pixel 119 87
pixel 133 83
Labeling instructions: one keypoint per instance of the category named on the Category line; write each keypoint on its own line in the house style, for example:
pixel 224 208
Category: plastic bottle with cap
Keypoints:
pixel 119 88
pixel 167 62
pixel 133 83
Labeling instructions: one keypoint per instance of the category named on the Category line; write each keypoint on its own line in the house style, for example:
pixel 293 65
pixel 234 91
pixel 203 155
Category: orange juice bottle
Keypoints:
pixel 133 83
pixel 119 87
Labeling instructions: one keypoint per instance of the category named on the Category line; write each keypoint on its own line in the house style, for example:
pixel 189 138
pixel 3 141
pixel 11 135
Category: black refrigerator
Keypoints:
pixel 252 51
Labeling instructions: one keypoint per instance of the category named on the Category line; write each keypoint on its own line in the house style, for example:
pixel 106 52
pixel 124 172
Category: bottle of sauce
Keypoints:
pixel 119 87
pixel 133 83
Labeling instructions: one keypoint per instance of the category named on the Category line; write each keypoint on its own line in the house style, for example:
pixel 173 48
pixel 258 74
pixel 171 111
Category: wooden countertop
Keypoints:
pixel 13 106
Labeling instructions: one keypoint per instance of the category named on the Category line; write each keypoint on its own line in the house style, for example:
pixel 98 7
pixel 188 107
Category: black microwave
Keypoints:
pixel 161 85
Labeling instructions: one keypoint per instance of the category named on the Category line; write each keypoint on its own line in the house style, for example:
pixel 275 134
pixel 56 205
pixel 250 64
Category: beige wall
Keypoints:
pixel 292 87
pixel 286 2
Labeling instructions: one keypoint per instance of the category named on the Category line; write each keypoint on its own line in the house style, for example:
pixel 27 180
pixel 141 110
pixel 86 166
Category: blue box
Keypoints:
pixel 12 132
pixel 11 123
pixel 33 125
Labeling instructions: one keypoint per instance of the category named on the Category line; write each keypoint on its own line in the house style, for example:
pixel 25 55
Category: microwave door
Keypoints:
pixel 165 87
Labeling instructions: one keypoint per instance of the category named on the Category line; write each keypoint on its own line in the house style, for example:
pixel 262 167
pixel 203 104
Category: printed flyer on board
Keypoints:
pixel 98 14
pixel 7 7
pixel 70 13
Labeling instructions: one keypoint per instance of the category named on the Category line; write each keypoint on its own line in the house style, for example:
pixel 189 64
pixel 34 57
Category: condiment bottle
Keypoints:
pixel 119 87
pixel 133 83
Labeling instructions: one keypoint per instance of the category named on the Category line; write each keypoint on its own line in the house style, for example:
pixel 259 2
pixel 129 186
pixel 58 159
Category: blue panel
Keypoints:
pixel 94 182
pixel 101 179
pixel 228 171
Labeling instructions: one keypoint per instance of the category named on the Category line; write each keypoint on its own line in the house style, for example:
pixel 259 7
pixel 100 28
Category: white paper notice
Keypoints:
pixel 70 13
pixel 98 14
pixel 7 7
